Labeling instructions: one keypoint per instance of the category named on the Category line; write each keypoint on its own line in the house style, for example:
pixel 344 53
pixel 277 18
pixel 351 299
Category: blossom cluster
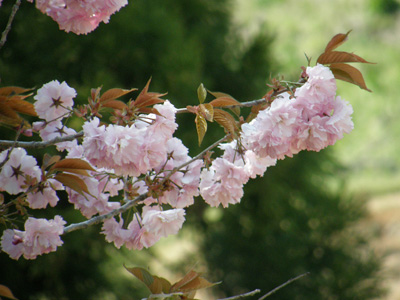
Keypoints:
pixel 145 158
pixel 80 17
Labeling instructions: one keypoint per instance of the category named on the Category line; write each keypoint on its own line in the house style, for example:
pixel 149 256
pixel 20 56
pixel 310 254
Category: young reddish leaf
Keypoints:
pixel 49 160
pixel 191 109
pixel 219 94
pixel 73 182
pixel 115 104
pixel 226 120
pixel 155 284
pixel 207 111
pixel 336 41
pixel 8 116
pixel 113 94
pixel 224 101
pixel 152 98
pixel 190 276
pixel 339 57
pixel 6 292
pixel 147 99
pixel 350 74
pixel 201 93
pixel 191 282
pixel 149 110
pixel 9 90
pixel 72 163
pixel 201 127
pixel 94 93
pixel 21 106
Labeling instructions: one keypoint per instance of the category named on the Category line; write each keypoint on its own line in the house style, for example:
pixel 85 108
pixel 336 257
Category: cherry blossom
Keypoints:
pixel 134 237
pixel 80 17
pixel 56 129
pixel 54 100
pixel 222 183
pixel 96 202
pixel 17 170
pixel 271 132
pixel 40 236
pixel 162 223
pixel 44 195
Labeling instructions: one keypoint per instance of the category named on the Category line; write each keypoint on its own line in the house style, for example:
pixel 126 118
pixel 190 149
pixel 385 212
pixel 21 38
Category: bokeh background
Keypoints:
pixel 335 214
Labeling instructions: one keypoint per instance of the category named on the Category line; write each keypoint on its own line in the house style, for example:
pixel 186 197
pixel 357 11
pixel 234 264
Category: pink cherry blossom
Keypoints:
pixel 12 242
pixel 14 173
pixel 222 183
pixel 57 129
pixel 253 164
pixel 321 84
pixel 44 195
pixel 80 17
pixel 130 150
pixel 270 133
pixel 162 222
pixel 40 236
pixel 97 201
pixel 183 184
pixel 133 237
pixel 115 233
pixel 54 100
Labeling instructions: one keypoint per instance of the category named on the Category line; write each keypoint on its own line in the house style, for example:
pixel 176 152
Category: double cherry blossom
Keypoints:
pixel 144 158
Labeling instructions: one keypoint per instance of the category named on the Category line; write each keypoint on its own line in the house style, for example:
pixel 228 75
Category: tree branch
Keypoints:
pixel 99 219
pixel 41 144
pixel 10 20
pixel 283 285
pixel 198 156
pixel 131 203
pixel 248 294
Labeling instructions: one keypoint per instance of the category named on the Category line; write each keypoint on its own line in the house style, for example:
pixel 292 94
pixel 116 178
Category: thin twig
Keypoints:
pixel 248 294
pixel 10 20
pixel 41 144
pixel 283 285
pixel 99 219
pixel 13 145
pixel 242 104
pixel 198 156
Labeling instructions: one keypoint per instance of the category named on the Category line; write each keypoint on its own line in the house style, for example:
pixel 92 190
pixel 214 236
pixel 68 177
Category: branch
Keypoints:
pixel 243 104
pixel 242 295
pixel 198 156
pixel 99 219
pixel 131 203
pixel 283 285
pixel 10 20
pixel 42 144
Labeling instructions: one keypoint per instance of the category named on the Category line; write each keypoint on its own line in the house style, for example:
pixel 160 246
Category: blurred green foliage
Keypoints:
pixel 293 221
pixel 288 222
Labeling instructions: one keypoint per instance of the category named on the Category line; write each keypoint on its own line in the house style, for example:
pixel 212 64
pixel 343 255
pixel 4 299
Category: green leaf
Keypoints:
pixel 207 111
pixel 201 93
pixel 201 127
